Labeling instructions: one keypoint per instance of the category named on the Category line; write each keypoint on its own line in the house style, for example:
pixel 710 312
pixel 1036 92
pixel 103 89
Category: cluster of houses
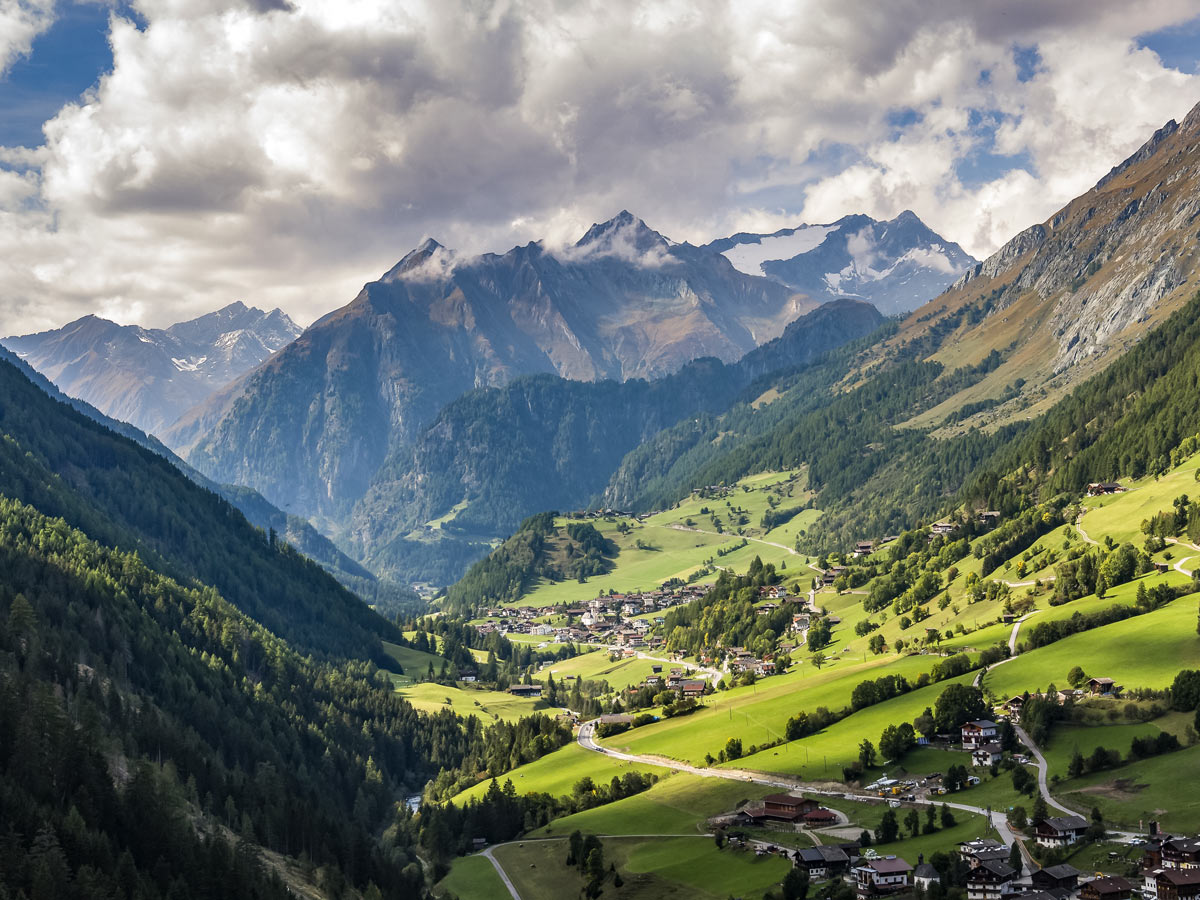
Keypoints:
pixel 677 679
pixel 606 620
pixel 1093 687
pixel 1170 868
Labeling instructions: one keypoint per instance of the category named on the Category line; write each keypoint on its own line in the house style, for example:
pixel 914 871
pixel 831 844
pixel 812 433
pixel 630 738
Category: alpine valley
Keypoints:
pixel 828 563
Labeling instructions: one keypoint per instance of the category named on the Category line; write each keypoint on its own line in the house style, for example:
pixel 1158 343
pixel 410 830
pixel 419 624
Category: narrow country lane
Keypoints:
pixel 512 889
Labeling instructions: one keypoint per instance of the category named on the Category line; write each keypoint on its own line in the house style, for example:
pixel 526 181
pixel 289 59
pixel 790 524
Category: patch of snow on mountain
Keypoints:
pixel 749 257
pixel 188 365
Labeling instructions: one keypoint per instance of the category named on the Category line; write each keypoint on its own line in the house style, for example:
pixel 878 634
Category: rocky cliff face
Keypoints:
pixel 148 376
pixel 1068 295
pixel 897 265
pixel 310 427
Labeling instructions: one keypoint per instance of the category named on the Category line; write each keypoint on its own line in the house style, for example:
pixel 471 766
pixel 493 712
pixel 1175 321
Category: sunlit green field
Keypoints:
pixel 758 714
pixel 556 773
pixel 470 877
pixel 598 666
pixel 489 706
pixel 1121 515
pixel 1145 651
pixel 821 756
pixel 678 804
pixel 1162 788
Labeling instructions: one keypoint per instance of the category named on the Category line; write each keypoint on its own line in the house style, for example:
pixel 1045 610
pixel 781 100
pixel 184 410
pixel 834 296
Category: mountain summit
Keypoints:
pixel 149 376
pixel 311 426
pixel 897 265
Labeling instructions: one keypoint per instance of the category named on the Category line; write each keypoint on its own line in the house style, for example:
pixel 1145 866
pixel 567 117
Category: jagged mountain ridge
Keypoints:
pixel 150 376
pixel 897 265
pixel 309 428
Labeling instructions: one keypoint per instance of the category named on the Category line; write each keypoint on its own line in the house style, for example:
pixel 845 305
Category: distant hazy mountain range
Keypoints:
pixel 896 265
pixel 150 376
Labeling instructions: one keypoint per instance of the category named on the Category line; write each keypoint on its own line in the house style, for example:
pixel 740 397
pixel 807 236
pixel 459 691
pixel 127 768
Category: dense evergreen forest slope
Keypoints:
pixel 189 707
pixel 497 455
pixel 151 376
pixel 125 495
pixel 381 593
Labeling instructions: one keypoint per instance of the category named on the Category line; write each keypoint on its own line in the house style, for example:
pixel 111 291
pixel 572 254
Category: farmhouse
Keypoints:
pixel 976 734
pixel 819 818
pixel 1062 877
pixel 779 808
pixel 886 875
pixel 1180 853
pixel 1099 488
pixel 1102 686
pixel 1112 887
pixel 990 880
pixel 822 862
pixel 526 690
pixel 1059 831
pixel 692 689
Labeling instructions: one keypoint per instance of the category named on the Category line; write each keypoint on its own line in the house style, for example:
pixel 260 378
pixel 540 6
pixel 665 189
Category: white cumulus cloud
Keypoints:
pixel 282 152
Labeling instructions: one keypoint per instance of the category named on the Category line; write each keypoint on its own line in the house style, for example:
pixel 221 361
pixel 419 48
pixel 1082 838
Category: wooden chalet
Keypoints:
pixel 822 862
pixel 779 808
pixel 1177 884
pixel 990 880
pixel 1110 887
pixel 1063 877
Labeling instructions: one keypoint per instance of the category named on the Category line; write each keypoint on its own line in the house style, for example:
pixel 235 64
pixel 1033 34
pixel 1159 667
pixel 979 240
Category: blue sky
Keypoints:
pixel 66 60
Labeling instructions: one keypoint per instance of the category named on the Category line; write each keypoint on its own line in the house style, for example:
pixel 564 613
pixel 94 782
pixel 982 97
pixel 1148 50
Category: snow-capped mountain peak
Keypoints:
pixel 897 264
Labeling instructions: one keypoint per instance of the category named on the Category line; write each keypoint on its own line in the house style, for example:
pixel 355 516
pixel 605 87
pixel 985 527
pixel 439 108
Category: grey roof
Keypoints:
pixel 1066 823
pixel 925 870
pixel 1062 870
pixel 833 854
pixel 994 867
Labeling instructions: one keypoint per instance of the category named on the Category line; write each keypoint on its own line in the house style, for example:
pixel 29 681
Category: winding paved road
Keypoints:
pixel 588 742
